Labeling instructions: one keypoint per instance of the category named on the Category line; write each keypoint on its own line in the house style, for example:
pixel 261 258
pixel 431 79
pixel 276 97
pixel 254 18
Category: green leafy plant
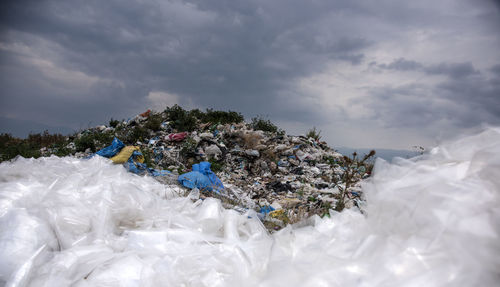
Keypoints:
pixel 180 119
pixel 221 117
pixel 94 140
pixel 137 133
pixel 10 147
pixel 153 122
pixel 259 123
pixel 113 123
pixel 215 165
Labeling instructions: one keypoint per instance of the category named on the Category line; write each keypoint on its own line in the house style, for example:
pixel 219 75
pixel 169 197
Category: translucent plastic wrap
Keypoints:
pixel 429 221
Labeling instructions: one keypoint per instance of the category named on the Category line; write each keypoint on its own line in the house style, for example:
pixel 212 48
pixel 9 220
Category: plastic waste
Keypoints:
pixel 177 137
pixel 146 113
pixel 126 153
pixel 201 177
pixel 266 209
pixel 429 221
pixel 213 150
pixel 111 150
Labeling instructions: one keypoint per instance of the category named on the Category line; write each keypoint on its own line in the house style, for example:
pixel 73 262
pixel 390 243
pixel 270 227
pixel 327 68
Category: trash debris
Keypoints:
pixel 177 137
pixel 145 114
pixel 202 178
pixel 125 153
pixel 112 149
pixel 265 164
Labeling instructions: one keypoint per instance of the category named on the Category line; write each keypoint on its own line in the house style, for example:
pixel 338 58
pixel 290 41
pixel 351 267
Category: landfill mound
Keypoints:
pixel 428 221
pixel 257 166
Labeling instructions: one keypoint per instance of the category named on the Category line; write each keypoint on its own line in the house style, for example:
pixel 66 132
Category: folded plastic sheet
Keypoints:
pixel 429 221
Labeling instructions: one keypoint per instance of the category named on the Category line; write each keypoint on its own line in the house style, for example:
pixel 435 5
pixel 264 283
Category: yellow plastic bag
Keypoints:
pixel 125 153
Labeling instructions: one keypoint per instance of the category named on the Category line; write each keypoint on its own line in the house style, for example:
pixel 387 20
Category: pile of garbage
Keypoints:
pixel 429 221
pixel 246 165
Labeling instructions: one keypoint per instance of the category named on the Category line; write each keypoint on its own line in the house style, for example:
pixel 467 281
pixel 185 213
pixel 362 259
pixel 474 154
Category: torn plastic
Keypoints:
pixel 201 177
pixel 430 221
pixel 111 150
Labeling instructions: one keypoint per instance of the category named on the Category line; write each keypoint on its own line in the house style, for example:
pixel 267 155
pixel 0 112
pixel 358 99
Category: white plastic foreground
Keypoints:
pixel 430 222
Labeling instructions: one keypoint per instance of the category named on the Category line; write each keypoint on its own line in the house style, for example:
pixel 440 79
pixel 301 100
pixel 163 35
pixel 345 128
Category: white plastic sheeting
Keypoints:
pixel 431 221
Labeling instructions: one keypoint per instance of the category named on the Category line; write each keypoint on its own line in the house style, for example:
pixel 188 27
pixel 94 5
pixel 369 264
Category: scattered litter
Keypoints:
pixel 177 137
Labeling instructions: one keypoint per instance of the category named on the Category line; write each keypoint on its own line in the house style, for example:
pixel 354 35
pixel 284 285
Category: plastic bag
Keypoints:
pixel 111 150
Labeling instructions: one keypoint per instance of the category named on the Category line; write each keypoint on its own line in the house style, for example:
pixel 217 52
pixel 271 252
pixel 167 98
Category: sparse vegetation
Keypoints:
pixel 153 122
pixel 351 166
pixel 113 123
pixel 221 117
pixel 313 133
pixel 10 146
pixel 259 123
pixel 181 120
pixel 93 140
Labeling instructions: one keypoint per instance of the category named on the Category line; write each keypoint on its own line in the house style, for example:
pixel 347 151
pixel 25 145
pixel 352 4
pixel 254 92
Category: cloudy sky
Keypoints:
pixel 380 74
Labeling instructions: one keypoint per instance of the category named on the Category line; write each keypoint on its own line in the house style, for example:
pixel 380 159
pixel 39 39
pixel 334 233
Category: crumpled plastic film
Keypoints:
pixel 429 221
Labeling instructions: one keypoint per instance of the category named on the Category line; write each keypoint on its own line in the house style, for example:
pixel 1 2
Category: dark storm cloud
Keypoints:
pixel 72 62
pixel 233 54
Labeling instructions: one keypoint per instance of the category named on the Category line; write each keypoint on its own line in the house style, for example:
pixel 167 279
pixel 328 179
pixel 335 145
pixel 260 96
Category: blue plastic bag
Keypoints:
pixel 112 150
pixel 202 178
pixel 216 183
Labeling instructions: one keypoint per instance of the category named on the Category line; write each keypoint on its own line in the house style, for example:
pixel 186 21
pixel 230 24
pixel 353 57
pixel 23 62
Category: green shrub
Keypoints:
pixel 313 133
pixel 94 140
pixel 181 120
pixel 45 139
pixel 153 122
pixel 137 133
pixel 222 117
pixel 113 123
pixel 215 165
pixel 84 142
pixel 258 123
pixel 10 147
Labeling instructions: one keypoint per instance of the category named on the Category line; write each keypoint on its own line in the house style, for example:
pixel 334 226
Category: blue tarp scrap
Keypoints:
pixel 111 150
pixel 201 177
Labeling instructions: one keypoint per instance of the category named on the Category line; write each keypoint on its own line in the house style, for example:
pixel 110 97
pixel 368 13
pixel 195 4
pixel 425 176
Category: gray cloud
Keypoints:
pixel 401 64
pixel 456 71
pixel 459 101
pixel 215 55
pixel 496 69
pixel 69 62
